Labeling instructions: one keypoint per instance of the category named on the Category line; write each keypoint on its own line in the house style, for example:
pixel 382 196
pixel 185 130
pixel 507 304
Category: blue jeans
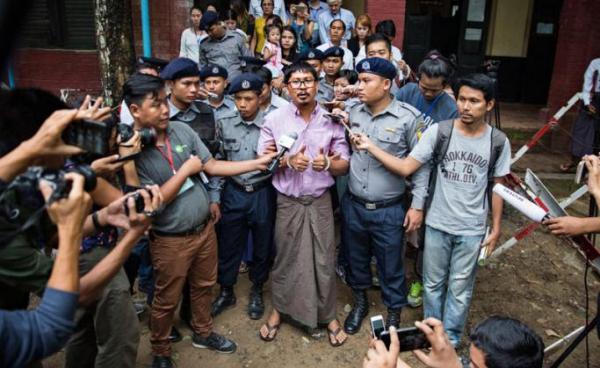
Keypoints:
pixel 449 265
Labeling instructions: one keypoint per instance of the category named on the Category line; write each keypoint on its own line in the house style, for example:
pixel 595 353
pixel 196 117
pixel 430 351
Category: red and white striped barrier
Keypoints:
pixel 543 130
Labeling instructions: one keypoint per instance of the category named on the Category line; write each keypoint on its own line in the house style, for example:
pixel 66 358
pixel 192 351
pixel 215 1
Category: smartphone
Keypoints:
pixel 411 338
pixel 581 172
pixel 335 117
pixel 133 156
pixel 377 326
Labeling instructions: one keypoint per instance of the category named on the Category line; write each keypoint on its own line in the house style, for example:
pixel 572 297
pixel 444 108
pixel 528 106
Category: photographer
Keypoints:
pixel 29 335
pixel 496 342
pixel 570 225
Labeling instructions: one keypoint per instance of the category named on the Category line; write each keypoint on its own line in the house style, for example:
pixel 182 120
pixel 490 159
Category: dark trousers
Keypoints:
pixel 243 212
pixel 376 232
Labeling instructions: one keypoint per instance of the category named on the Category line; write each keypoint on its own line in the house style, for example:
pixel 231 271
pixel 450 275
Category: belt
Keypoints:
pixel 376 204
pixel 250 188
pixel 193 231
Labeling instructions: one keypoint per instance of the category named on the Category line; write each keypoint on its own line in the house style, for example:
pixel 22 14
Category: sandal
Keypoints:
pixel 335 334
pixel 270 330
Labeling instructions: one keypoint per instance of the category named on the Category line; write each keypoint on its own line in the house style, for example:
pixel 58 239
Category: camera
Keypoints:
pixel 90 135
pixel 140 205
pixel 147 135
pixel 410 338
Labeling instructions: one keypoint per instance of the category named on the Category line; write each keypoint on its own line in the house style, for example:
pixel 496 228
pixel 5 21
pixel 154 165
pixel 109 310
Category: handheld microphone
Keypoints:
pixel 526 207
pixel 286 142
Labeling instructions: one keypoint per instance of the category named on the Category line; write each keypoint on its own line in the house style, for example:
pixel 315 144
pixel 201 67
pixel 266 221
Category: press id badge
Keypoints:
pixel 186 186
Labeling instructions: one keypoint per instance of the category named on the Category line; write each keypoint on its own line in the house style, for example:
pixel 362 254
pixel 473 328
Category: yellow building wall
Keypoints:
pixel 509 28
pixel 357 7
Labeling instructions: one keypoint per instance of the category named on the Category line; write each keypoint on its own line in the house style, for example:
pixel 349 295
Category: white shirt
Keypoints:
pixel 190 44
pixel 396 55
pixel 348 57
pixel 255 9
pixel 588 81
pixel 125 114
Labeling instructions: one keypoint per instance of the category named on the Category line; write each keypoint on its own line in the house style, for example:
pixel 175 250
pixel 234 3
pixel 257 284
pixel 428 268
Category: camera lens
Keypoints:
pixel 148 136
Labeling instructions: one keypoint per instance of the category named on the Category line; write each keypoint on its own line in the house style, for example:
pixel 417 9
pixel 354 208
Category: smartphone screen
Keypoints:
pixel 411 338
pixel 377 326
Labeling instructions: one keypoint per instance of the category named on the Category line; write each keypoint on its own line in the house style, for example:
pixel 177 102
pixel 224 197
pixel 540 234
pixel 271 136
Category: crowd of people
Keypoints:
pixel 274 123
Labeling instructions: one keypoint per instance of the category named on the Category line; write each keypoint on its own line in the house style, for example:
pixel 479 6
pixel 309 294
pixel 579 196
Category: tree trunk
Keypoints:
pixel 116 54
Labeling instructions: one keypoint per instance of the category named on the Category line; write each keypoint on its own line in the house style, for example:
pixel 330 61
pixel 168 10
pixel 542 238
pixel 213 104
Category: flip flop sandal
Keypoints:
pixel 270 330
pixel 335 334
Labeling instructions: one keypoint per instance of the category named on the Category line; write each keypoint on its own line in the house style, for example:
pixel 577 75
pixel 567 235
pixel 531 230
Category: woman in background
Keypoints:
pixel 191 37
pixel 363 29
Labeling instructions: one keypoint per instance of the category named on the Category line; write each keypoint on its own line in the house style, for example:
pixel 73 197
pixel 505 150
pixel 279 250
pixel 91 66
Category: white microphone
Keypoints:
pixel 286 142
pixel 522 204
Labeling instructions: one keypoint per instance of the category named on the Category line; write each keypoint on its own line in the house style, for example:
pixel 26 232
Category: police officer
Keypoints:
pixel 248 200
pixel 314 57
pixel 215 82
pixel 221 47
pixel 333 60
pixel 183 80
pixel 373 218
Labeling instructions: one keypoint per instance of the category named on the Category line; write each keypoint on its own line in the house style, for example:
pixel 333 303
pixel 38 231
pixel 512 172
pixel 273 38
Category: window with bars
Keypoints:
pixel 60 24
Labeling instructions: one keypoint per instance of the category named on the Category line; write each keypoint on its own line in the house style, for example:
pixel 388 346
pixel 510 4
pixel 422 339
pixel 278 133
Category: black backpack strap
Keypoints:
pixel 497 140
pixel 442 142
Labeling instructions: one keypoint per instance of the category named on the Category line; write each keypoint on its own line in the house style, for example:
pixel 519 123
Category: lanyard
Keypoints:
pixel 169 155
pixel 431 106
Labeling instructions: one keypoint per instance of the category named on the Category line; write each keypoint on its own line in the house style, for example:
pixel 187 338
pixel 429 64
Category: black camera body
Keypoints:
pixel 139 202
pixel 147 135
pixel 90 135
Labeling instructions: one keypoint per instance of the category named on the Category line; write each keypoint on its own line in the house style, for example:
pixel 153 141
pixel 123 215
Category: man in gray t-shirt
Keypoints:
pixel 456 219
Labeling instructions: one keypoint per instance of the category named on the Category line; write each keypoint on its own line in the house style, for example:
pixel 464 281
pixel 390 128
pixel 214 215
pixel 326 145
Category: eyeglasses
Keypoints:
pixel 298 83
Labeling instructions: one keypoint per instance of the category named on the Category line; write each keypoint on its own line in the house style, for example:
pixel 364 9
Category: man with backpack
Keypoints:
pixel 467 157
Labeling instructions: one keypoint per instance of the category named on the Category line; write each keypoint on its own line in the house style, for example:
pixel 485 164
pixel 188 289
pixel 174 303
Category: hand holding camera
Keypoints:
pixel 134 210
pixel 92 109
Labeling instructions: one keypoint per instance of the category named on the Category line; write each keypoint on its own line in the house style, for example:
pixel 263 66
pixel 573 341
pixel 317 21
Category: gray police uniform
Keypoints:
pixel 325 91
pixel 225 109
pixel 276 102
pixel 225 52
pixel 248 203
pixel 199 116
pixel 372 210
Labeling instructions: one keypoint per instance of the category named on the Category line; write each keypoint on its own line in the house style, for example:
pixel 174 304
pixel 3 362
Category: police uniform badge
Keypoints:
pixel 245 84
pixel 311 55
pixel 243 63
pixel 366 65
pixel 215 70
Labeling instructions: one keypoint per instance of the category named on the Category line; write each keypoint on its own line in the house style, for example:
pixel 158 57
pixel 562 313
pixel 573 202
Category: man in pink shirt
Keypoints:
pixel 303 275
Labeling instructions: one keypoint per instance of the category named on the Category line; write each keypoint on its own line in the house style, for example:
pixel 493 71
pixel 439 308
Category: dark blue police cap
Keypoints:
pixel 213 70
pixel 334 51
pixel 382 67
pixel 246 82
pixel 312 54
pixel 152 62
pixel 180 68
pixel 208 19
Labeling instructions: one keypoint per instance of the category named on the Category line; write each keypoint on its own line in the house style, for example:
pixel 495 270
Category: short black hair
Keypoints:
pixel 387 27
pixel 350 75
pixel 338 20
pixel 479 82
pixel 435 65
pixel 376 37
pixel 508 343
pixel 300 66
pixel 22 113
pixel 138 86
pixel 265 74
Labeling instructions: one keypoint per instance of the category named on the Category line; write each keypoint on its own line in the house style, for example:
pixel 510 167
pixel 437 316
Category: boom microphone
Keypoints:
pixel 522 204
pixel 286 142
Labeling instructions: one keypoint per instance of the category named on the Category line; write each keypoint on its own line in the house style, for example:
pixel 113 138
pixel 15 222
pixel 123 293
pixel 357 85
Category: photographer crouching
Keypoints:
pixel 33 154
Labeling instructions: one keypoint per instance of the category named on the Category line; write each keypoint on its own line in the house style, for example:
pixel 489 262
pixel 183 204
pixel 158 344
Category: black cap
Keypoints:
pixel 180 68
pixel 213 70
pixel 334 51
pixel 208 19
pixel 382 67
pixel 312 54
pixel 152 62
pixel 250 64
pixel 246 82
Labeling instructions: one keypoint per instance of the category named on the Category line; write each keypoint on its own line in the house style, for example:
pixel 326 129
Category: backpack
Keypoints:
pixel 442 142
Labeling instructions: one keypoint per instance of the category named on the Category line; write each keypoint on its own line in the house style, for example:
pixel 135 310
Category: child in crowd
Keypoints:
pixel 344 88
pixel 272 50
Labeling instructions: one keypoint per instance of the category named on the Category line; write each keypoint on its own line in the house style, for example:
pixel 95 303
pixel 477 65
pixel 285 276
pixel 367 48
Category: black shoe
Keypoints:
pixel 226 299
pixel 162 362
pixel 214 342
pixel 358 313
pixel 175 336
pixel 256 307
pixel 393 318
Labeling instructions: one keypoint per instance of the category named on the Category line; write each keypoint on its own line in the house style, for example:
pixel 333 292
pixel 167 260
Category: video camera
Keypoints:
pixel 147 135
